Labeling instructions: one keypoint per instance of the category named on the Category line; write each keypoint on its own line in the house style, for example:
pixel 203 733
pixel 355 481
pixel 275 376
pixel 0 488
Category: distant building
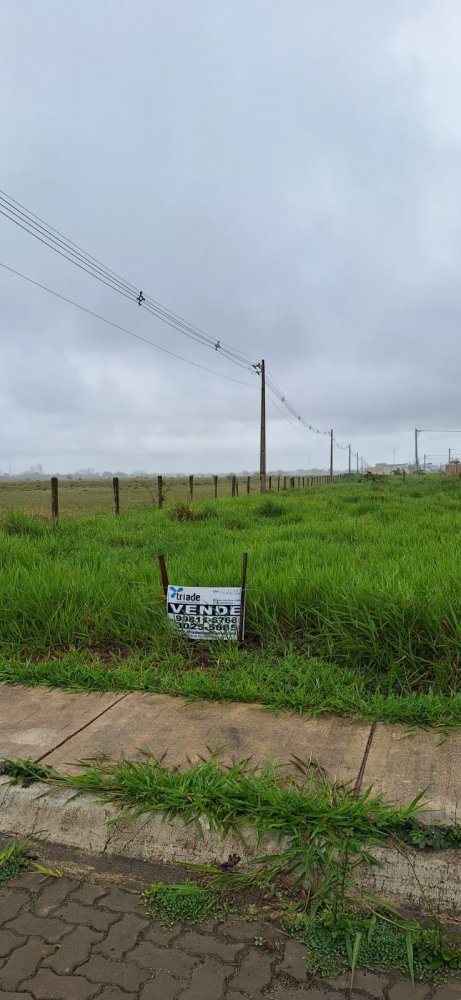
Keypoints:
pixel 384 469
pixel 453 469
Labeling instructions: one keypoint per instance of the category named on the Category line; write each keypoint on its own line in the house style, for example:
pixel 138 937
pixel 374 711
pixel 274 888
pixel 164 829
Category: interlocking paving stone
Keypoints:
pixel 31 881
pixel 15 996
pixel 95 927
pixel 203 944
pixel 163 986
pixel 162 936
pixel 101 970
pixel 254 973
pixel 74 913
pixel 74 950
pixel 169 959
pixel 450 992
pixel 284 993
pixel 10 904
pixel 208 981
pixel 22 962
pixel 370 983
pixel 54 893
pixel 49 928
pixel 122 936
pixel 248 930
pixel 294 960
pixel 112 993
pixel 88 894
pixel 123 902
pixel 9 941
pixel 46 985
pixel 405 991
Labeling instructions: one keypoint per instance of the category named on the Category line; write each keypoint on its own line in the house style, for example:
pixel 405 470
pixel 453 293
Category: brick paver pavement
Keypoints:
pixel 70 939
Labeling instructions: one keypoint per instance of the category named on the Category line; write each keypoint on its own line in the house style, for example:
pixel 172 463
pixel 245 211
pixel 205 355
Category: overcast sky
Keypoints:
pixel 284 174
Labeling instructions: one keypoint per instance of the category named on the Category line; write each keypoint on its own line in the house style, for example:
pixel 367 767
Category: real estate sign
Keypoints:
pixel 206 612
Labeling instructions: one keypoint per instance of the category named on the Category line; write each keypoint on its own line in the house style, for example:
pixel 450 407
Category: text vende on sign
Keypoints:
pixel 206 612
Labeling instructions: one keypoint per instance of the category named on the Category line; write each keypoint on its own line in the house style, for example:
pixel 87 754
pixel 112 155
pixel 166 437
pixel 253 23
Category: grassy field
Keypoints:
pixel 353 604
pixel 95 496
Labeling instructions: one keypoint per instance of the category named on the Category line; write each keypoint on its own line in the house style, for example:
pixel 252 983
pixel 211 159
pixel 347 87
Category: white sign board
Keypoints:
pixel 205 612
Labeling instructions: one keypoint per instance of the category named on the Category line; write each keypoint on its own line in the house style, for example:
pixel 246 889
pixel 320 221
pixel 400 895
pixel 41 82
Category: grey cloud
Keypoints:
pixel 285 175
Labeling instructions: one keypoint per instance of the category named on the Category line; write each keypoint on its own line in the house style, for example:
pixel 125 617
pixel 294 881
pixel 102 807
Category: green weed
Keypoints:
pixel 325 833
pixel 15 859
pixel 183 901
pixel 23 772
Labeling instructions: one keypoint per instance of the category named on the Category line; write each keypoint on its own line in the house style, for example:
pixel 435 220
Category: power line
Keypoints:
pixel 15 212
pixel 122 329
pixel 55 240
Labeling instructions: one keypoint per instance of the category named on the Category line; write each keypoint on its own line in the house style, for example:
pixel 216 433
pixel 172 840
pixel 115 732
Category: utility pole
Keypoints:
pixel 262 445
pixel 449 456
pixel 331 455
pixel 357 461
pixel 416 450
pixel 349 459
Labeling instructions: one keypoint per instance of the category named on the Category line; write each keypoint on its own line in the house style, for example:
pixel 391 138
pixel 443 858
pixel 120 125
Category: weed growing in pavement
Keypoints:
pixel 330 939
pixel 24 772
pixel 184 901
pixel 326 833
pixel 15 859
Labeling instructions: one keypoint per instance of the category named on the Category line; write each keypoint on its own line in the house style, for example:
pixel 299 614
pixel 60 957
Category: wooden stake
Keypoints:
pixel 160 490
pixel 191 489
pixel 54 498
pixel 215 483
pixel 242 598
pixel 164 574
pixel 116 489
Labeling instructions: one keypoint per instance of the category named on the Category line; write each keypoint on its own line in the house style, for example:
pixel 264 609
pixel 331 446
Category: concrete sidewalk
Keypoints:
pixel 60 728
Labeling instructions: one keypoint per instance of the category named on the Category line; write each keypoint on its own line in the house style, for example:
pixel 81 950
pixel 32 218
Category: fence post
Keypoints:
pixel 248 484
pixel 234 480
pixel 284 482
pixel 160 490
pixel 54 498
pixel 292 482
pixel 116 488
pixel 236 489
pixel 191 488
pixel 299 480
pixel 215 486
pixel 278 484
pixel 270 484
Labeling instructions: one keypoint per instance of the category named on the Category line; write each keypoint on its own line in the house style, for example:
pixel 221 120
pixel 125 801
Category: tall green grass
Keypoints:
pixel 353 601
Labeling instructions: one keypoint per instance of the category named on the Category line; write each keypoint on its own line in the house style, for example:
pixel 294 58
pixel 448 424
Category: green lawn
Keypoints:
pixel 353 602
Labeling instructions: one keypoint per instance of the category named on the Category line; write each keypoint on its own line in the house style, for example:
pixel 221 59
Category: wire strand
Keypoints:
pixel 123 329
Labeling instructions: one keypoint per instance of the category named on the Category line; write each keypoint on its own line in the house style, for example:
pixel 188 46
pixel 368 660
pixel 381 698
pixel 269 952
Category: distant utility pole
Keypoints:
pixel 262 444
pixel 449 456
pixel 331 455
pixel 357 461
pixel 349 459
pixel 416 449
